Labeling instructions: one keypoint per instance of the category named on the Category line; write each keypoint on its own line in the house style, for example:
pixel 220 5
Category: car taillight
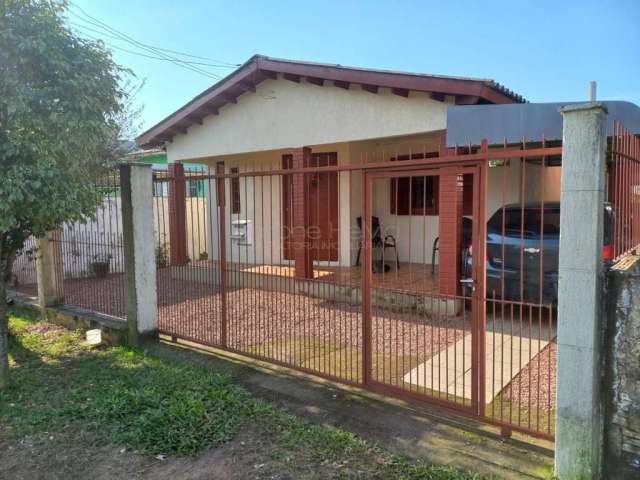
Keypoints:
pixel 607 253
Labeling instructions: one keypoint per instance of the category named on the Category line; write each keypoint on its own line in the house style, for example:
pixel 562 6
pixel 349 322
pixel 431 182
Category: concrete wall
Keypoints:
pixel 622 378
pixel 197 213
pixel 285 114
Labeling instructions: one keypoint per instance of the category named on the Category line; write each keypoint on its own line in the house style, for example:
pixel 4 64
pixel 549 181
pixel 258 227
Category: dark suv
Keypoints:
pixel 526 249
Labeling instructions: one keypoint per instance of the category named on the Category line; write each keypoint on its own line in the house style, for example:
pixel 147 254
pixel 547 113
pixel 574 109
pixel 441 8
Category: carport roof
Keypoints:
pixel 258 68
pixel 472 123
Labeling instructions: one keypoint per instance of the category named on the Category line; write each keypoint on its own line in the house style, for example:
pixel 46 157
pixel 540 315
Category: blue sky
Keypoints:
pixel 544 50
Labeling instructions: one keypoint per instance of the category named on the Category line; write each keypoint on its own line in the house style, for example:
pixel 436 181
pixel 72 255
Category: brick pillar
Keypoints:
pixel 450 224
pixel 300 226
pixel 177 215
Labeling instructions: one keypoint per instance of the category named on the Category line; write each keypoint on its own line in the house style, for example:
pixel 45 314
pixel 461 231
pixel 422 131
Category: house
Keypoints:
pixel 274 114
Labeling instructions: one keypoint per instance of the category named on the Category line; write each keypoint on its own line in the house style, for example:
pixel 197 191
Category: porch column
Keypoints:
pixel 139 252
pixel 300 227
pixel 450 226
pixel 177 215
pixel 580 316
pixel 49 269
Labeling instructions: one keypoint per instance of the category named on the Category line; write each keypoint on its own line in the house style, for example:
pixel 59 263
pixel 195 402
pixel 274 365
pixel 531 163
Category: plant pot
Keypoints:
pixel 100 269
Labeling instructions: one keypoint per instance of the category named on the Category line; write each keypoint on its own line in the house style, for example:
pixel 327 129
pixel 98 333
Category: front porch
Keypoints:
pixel 411 278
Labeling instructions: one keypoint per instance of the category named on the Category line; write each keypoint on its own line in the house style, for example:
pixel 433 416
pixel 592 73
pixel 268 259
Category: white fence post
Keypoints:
pixel 139 252
pixel 579 414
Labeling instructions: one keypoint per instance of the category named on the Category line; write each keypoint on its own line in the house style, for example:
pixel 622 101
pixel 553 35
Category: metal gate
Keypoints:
pixel 409 307
pixel 431 334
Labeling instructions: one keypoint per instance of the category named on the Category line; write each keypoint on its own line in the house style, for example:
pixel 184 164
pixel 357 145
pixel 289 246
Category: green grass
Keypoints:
pixel 128 397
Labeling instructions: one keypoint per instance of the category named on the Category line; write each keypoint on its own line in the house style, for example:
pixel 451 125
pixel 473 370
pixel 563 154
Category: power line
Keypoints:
pixel 84 30
pixel 126 38
pixel 218 63
pixel 123 37
pixel 148 48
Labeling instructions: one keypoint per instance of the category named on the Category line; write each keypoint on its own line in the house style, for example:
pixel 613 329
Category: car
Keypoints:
pixel 517 248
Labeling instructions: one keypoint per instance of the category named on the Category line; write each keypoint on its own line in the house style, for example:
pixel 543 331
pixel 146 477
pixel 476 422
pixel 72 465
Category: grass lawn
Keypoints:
pixel 75 411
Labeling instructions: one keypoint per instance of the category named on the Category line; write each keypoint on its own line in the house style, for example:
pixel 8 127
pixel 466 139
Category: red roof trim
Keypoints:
pixel 259 68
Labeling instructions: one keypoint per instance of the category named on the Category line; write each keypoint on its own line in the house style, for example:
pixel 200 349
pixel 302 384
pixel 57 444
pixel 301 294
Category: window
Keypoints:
pixel 513 225
pixel 414 195
pixel 160 189
pixel 235 192
pixel 193 187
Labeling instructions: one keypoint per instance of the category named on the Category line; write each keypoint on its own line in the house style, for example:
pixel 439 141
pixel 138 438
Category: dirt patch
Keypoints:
pixel 255 453
pixel 45 329
pixel 67 455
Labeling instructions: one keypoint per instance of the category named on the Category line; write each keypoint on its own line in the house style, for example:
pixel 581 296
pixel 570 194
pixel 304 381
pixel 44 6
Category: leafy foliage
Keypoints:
pixel 61 111
pixel 60 102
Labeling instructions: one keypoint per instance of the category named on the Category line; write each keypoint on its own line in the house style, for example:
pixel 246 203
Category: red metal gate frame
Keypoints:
pixel 435 168
pixel 476 163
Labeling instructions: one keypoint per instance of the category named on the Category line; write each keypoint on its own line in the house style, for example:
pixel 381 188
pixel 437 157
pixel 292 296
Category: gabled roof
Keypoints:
pixel 467 91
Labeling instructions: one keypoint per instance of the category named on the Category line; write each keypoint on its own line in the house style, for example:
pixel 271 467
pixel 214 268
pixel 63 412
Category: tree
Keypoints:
pixel 60 104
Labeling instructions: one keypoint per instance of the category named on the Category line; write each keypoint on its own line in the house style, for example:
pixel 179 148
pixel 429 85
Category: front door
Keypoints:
pixel 322 203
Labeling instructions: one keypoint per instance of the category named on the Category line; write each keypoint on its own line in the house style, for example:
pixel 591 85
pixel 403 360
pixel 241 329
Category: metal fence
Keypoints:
pixel 91 255
pixel 624 191
pixel 24 276
pixel 423 274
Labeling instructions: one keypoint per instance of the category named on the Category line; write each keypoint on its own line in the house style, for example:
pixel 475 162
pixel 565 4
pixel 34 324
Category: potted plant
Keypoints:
pixel 162 255
pixel 100 265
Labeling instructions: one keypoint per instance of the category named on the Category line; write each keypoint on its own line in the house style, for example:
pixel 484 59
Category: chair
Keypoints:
pixel 377 241
pixel 467 233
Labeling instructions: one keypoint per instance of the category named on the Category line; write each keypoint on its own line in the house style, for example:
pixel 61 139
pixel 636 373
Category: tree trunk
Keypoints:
pixel 4 322
pixel 4 336
pixel 6 264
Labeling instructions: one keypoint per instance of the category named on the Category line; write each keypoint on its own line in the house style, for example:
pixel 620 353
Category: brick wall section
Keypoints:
pixel 450 225
pixel 622 376
pixel 177 215
pixel 300 225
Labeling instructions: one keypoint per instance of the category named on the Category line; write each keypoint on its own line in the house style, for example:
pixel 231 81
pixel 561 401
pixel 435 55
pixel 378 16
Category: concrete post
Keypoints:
pixel 579 416
pixel 49 269
pixel 139 252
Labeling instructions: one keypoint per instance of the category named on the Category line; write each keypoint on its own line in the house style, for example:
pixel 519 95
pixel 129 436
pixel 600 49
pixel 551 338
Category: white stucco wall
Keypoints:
pixel 421 230
pixel 261 205
pixel 285 114
pixel 254 134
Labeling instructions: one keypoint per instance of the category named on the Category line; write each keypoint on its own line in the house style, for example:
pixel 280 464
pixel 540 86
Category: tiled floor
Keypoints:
pixel 449 371
pixel 411 277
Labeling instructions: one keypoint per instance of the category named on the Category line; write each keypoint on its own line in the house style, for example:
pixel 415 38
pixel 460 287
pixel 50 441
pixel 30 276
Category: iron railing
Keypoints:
pixel 624 191
pixel 264 264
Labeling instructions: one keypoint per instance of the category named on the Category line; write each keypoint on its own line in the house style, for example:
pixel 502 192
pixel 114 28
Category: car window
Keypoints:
pixel 533 219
